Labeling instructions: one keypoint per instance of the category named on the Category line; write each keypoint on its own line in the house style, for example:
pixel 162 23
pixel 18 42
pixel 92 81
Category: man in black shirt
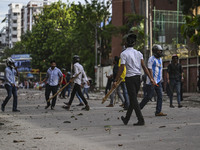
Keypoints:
pixel 174 77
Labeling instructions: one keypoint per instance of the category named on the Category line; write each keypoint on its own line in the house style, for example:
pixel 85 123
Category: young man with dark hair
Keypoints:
pixel 54 78
pixel 174 78
pixel 133 60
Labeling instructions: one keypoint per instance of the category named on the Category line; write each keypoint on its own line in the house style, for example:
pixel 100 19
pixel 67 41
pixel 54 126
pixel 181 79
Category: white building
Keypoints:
pixel 21 18
pixel 14 23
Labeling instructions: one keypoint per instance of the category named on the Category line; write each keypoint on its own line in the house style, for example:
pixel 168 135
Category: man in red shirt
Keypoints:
pixel 62 94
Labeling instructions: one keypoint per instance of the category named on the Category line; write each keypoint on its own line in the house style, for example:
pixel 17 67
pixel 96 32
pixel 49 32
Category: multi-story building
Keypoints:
pixel 14 23
pixel 20 18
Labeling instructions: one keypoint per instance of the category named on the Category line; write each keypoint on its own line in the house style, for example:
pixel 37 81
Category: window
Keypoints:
pixel 14 28
pixel 14 21
pixel 15 14
pixel 14 36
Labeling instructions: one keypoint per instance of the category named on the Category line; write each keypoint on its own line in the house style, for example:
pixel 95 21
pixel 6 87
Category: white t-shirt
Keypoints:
pixel 132 59
pixel 155 64
pixel 79 68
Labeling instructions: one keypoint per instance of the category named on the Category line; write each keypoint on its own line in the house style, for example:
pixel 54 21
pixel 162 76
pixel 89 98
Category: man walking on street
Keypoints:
pixel 54 78
pixel 174 77
pixel 78 68
pixel 133 60
pixel 155 69
pixel 10 85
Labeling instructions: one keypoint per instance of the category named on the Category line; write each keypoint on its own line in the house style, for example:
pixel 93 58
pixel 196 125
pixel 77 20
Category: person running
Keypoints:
pixel 10 84
pixel 78 68
pixel 133 60
pixel 155 68
pixel 174 77
pixel 54 78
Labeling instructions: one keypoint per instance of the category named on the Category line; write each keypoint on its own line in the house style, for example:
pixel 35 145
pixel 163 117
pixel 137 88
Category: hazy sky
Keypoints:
pixel 4 7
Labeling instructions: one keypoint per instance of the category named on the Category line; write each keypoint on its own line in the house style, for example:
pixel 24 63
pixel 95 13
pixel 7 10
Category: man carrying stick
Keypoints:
pixel 54 78
pixel 78 69
pixel 133 60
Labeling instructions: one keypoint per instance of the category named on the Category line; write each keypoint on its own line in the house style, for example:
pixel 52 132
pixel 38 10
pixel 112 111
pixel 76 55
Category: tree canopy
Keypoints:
pixel 63 30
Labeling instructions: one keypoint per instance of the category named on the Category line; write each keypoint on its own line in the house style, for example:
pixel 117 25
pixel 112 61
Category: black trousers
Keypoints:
pixel 133 86
pixel 77 88
pixel 48 91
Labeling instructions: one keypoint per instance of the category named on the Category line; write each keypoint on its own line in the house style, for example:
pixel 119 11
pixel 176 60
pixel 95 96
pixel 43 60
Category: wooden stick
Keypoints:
pixel 71 80
pixel 111 91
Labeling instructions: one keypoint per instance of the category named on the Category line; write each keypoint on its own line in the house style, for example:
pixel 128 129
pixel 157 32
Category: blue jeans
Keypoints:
pixel 85 91
pixel 172 85
pixel 118 90
pixel 125 94
pixel 11 90
pixel 79 98
pixel 150 93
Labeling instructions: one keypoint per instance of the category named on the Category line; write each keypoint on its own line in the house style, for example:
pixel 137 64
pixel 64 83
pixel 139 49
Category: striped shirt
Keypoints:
pixel 155 64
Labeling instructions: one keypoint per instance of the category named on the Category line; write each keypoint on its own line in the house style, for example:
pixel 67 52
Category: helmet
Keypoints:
pixel 130 39
pixel 10 61
pixel 155 50
pixel 76 58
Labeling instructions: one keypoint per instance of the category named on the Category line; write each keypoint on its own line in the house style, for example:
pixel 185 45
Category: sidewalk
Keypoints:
pixel 100 128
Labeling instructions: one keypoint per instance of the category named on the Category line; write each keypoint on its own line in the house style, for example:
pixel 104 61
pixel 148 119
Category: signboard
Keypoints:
pixel 22 62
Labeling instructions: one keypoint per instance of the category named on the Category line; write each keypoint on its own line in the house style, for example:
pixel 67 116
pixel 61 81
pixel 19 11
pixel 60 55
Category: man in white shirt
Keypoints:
pixel 133 60
pixel 78 68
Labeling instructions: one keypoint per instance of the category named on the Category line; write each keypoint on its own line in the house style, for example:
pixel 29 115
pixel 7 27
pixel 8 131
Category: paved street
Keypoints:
pixel 98 129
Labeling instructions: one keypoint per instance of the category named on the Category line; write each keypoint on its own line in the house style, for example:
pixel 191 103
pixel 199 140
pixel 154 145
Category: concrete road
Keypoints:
pixel 97 129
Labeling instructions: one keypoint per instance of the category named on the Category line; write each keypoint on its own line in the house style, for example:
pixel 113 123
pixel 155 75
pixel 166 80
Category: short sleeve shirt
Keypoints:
pixel 155 64
pixel 53 76
pixel 131 58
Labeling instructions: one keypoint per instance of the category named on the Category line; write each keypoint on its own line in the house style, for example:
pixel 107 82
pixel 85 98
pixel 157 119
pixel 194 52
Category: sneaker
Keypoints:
pixel 2 108
pixel 52 107
pixel 139 123
pixel 124 120
pixel 179 106
pixel 81 104
pixel 172 106
pixel 86 108
pixel 160 114
pixel 16 110
pixel 110 105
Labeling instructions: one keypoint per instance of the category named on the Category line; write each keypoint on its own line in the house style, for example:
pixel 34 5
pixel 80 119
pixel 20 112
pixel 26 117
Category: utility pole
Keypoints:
pixel 96 42
pixel 146 31
pixel 150 27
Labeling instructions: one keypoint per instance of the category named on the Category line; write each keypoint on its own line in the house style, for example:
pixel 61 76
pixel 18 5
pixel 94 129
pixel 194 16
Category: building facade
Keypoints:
pixel 20 18
pixel 14 23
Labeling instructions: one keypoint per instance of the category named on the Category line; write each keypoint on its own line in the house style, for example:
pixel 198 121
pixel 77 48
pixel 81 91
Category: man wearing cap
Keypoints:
pixel 155 68
pixel 133 60
pixel 174 78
